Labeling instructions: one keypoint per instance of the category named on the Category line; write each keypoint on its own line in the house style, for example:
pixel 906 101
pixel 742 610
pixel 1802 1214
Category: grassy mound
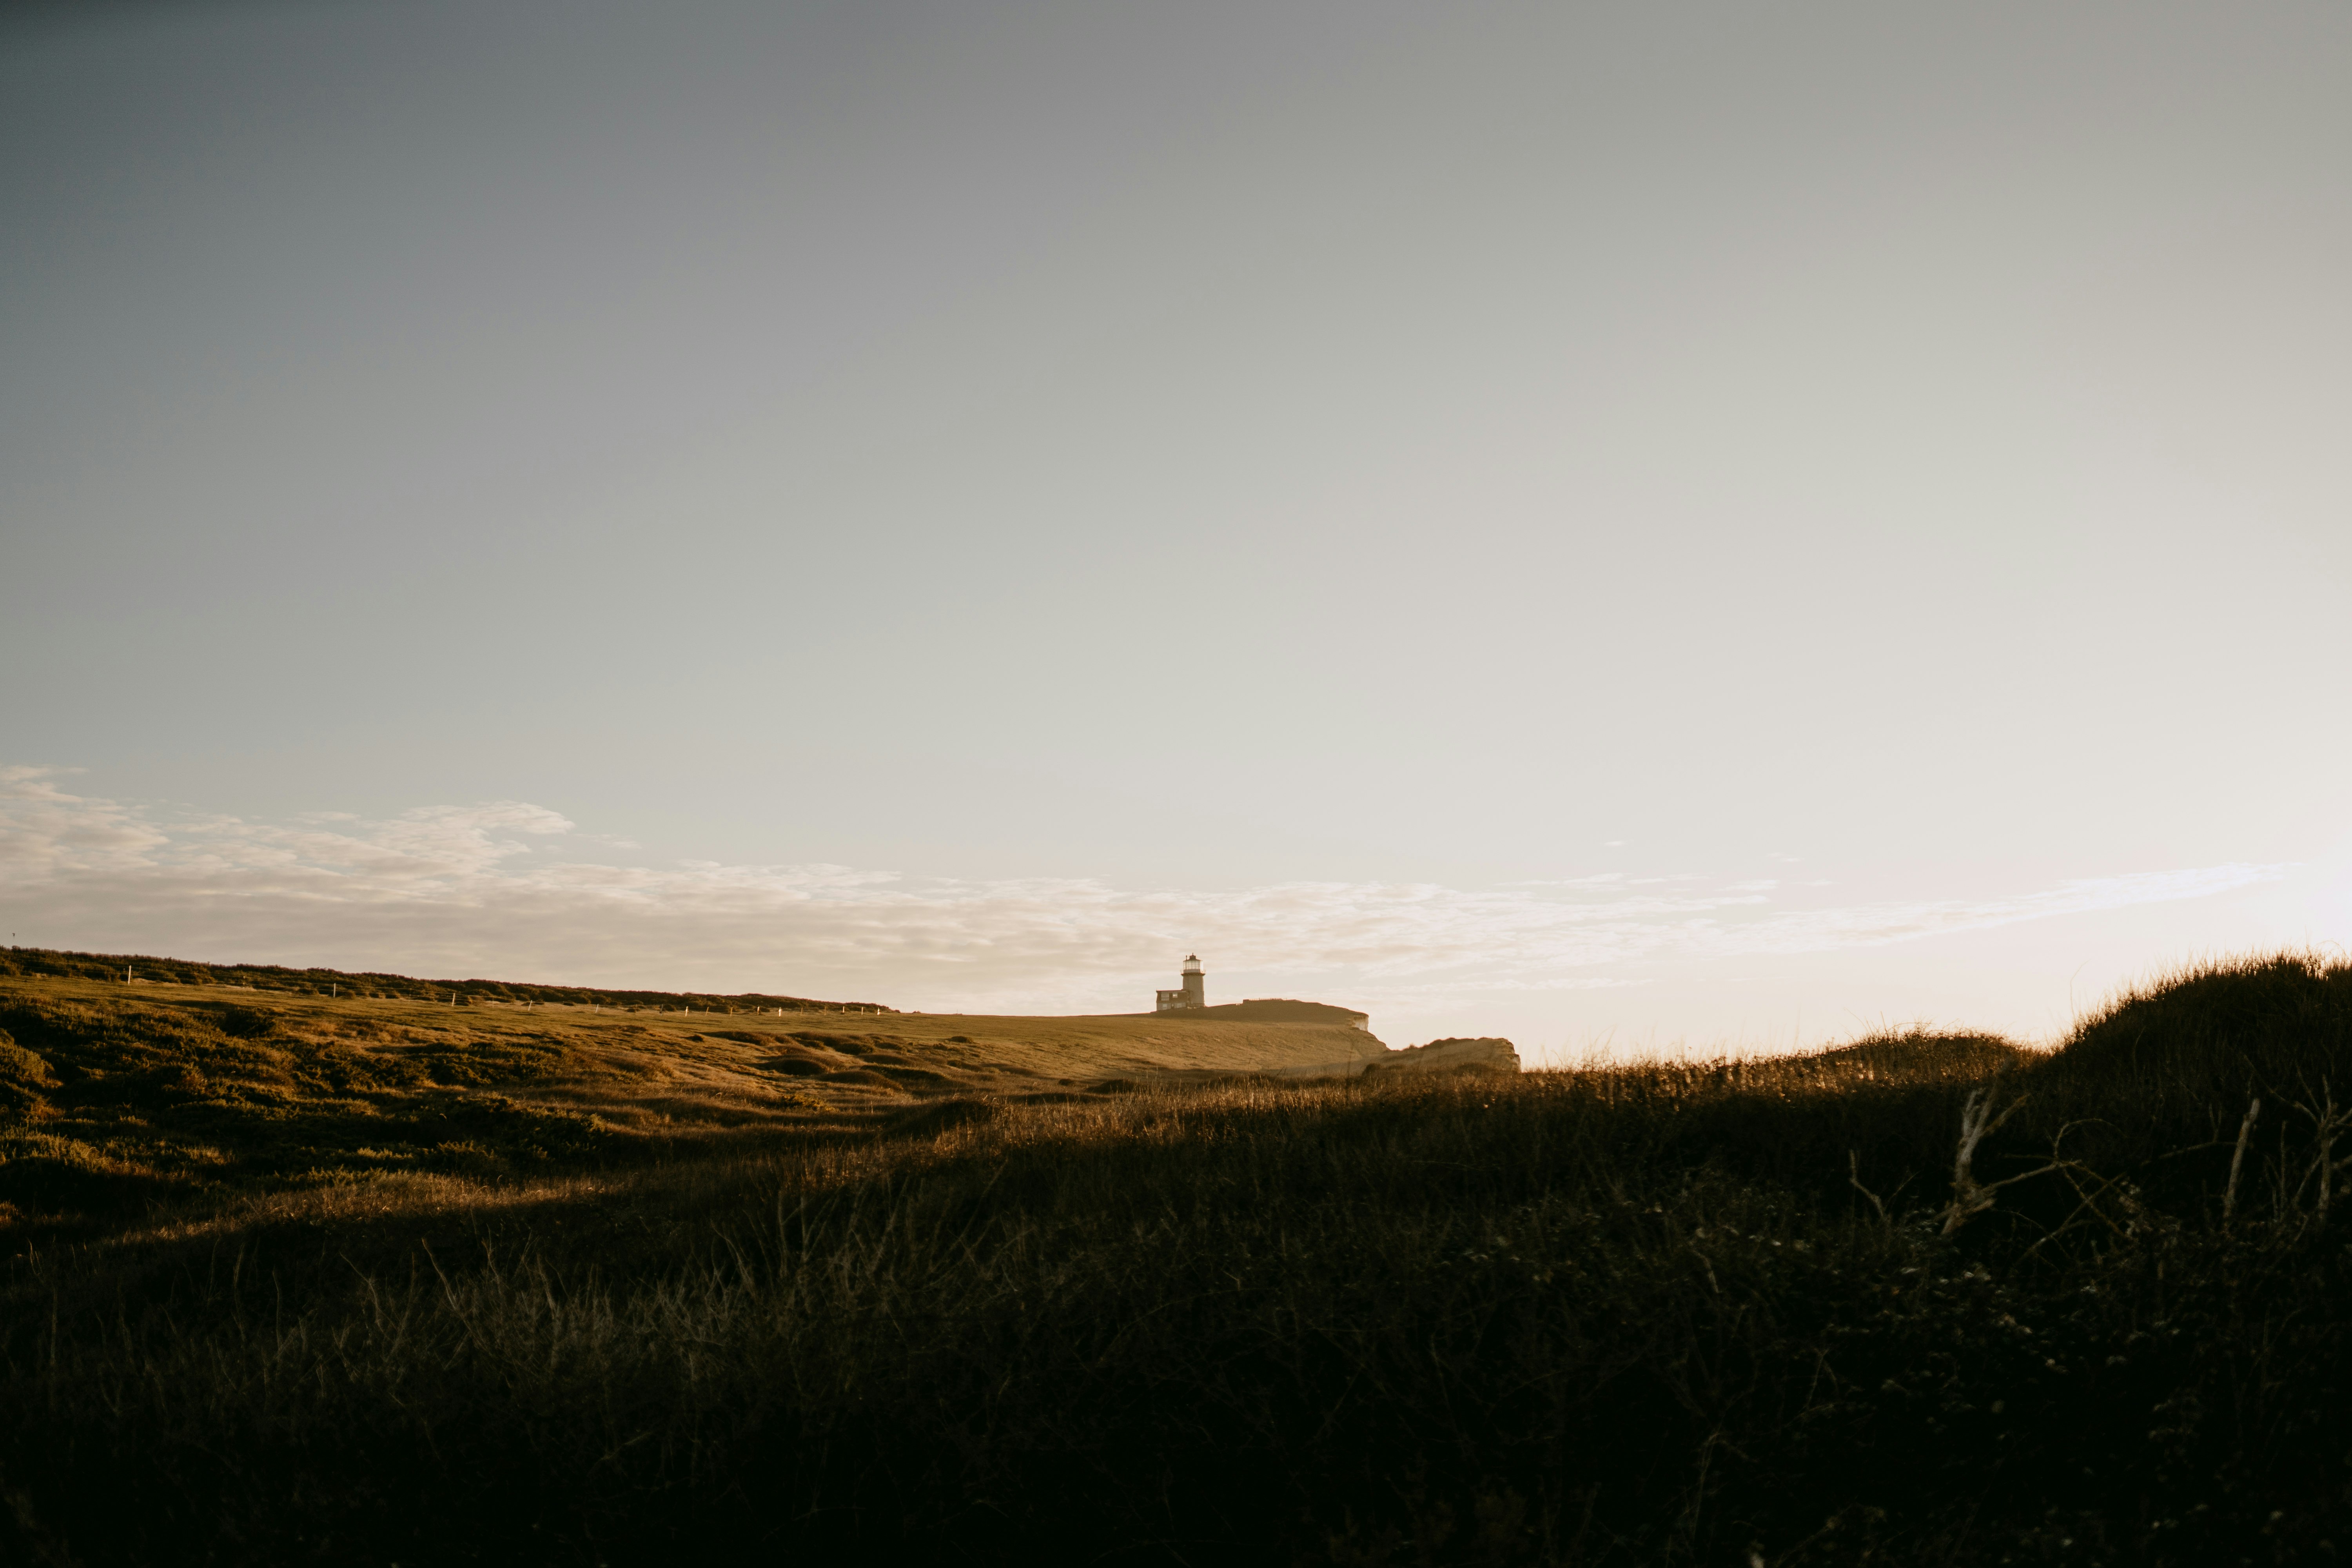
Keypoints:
pixel 116 1095
pixel 1725 1312
pixel 2219 1033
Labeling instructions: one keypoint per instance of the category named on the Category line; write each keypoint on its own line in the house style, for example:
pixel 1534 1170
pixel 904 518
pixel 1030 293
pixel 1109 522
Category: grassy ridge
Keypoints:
pixel 45 962
pixel 115 1096
pixel 1710 1314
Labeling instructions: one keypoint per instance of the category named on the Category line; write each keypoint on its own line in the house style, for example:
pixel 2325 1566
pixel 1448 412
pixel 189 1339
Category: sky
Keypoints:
pixel 1630 527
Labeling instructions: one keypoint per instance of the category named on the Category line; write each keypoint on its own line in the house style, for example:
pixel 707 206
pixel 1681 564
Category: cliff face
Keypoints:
pixel 1439 1056
pixel 1282 1010
pixel 1489 1054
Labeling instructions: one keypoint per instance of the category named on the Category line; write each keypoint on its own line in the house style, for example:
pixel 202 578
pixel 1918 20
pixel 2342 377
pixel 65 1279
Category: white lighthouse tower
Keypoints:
pixel 1194 993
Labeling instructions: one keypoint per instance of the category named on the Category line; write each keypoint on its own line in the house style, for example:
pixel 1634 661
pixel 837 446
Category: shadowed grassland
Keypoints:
pixel 115 1097
pixel 1712 1313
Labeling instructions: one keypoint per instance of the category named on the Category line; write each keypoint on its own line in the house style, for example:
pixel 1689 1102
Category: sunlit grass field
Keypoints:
pixel 120 1089
pixel 1926 1299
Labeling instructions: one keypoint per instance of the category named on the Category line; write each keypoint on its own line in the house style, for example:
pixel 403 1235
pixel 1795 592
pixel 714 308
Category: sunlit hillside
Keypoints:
pixel 127 1089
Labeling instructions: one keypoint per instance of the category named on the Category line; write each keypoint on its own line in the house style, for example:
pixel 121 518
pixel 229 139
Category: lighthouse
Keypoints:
pixel 1194 993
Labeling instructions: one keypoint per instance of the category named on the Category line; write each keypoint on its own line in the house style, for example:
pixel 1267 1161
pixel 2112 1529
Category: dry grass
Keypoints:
pixel 1698 1314
pixel 115 1095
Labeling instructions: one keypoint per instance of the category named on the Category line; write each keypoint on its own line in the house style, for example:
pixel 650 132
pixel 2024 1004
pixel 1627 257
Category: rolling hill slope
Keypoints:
pixel 115 1091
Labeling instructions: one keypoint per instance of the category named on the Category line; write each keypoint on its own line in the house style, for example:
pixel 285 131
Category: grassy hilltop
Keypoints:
pixel 117 1092
pixel 277 980
pixel 1926 1299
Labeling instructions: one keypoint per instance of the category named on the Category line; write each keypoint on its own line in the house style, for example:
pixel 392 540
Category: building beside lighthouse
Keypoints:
pixel 1192 998
pixel 1194 993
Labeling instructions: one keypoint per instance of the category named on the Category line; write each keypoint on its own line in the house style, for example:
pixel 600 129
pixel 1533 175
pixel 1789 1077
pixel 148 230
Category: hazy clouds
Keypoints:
pixel 491 889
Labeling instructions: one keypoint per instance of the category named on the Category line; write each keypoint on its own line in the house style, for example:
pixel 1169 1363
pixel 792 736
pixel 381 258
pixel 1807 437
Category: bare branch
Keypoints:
pixel 1978 1121
pixel 2238 1159
pixel 1854 1174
